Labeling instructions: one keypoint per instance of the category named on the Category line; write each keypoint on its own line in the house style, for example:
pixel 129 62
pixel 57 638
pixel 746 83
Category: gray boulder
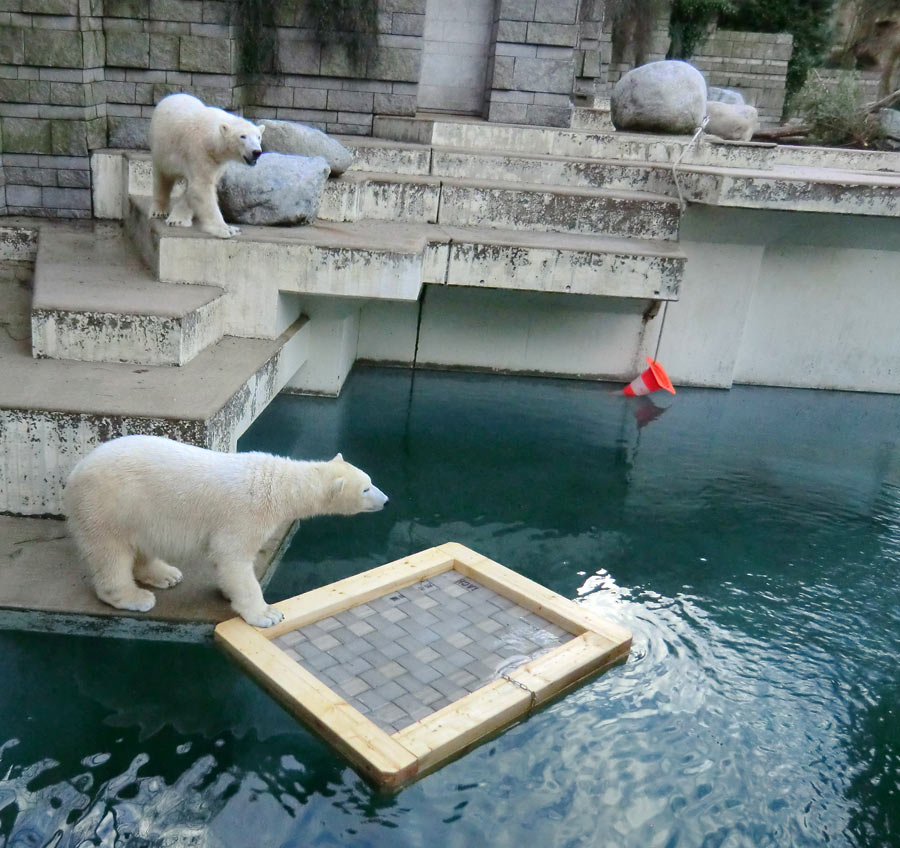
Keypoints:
pixel 725 95
pixel 665 97
pixel 731 121
pixel 301 140
pixel 279 189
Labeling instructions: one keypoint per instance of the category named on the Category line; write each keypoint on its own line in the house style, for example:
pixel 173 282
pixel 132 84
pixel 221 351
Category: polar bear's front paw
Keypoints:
pixel 224 232
pixel 265 617
pixel 137 600
pixel 158 212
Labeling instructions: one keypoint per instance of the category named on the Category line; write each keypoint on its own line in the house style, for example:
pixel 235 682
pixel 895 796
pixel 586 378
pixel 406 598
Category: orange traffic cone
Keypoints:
pixel 651 380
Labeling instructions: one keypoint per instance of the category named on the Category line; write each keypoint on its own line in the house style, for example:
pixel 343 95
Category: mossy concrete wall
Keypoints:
pixel 81 75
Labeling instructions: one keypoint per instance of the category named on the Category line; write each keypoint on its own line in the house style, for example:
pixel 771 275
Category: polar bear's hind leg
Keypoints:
pixel 162 193
pixel 181 215
pixel 112 565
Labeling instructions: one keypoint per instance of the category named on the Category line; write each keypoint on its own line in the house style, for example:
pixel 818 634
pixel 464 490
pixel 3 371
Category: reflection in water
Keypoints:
pixel 749 539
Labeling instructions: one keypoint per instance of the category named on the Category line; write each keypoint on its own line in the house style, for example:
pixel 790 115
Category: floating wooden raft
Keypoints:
pixel 404 666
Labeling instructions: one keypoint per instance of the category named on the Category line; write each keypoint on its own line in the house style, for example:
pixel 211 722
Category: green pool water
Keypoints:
pixel 750 539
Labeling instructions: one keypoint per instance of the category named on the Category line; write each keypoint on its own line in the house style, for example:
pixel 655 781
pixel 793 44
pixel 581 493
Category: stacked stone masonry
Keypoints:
pixel 531 66
pixel 81 75
pixel 755 63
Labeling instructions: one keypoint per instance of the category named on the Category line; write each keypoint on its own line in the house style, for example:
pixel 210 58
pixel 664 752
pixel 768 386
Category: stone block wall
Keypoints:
pixel 755 63
pixel 867 82
pixel 160 47
pixel 531 68
pixel 321 86
pixel 80 75
pixel 52 110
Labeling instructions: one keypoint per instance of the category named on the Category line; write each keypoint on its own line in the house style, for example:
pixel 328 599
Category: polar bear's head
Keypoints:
pixel 242 139
pixel 350 489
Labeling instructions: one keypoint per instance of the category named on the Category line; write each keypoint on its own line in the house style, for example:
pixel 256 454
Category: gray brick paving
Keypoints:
pixel 402 656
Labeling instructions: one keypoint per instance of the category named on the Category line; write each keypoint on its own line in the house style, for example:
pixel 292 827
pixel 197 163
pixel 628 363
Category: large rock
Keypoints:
pixel 665 97
pixel 279 189
pixel 301 140
pixel 726 120
pixel 725 95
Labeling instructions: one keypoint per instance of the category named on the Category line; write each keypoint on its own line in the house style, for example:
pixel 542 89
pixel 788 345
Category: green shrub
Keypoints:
pixel 831 110
pixel 809 21
pixel 689 23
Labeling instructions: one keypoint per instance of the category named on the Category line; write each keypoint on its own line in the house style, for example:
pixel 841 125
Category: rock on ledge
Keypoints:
pixel 301 140
pixel 279 189
pixel 664 97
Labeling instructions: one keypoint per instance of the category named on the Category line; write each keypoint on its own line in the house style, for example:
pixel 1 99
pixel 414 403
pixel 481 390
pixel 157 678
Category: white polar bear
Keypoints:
pixel 137 501
pixel 193 142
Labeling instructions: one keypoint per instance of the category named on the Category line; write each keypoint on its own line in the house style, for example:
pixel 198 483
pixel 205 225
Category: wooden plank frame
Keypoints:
pixel 393 760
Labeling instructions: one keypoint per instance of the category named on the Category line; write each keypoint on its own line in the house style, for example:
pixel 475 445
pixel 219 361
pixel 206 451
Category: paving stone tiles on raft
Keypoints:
pixel 402 656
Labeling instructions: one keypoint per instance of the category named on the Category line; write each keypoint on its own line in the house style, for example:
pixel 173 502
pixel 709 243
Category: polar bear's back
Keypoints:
pixel 181 125
pixel 160 494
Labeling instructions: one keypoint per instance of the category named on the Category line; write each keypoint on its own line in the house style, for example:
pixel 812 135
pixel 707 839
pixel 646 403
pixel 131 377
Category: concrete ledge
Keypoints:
pixel 95 302
pixel 381 261
pixel 45 587
pixel 55 412
pixel 796 189
pixel 527 140
pixel 495 204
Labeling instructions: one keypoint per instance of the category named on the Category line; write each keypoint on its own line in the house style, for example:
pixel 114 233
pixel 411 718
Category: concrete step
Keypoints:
pixel 496 204
pixel 646 147
pixel 380 260
pixel 578 143
pixel 553 170
pixel 264 269
pixel 94 301
pixel 53 412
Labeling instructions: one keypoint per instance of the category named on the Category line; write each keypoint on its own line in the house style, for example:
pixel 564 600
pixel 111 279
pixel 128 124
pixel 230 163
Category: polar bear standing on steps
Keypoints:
pixel 137 501
pixel 193 142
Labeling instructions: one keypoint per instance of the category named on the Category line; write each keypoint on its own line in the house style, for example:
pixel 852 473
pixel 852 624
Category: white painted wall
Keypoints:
pixel 454 61
pixel 786 299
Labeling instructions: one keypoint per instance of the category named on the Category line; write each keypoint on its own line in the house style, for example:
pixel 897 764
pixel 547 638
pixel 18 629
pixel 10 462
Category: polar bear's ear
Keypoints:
pixel 223 128
pixel 261 128
pixel 338 458
pixel 338 485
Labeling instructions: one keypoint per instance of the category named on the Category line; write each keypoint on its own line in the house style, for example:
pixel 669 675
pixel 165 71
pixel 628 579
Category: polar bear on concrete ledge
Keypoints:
pixel 193 142
pixel 137 501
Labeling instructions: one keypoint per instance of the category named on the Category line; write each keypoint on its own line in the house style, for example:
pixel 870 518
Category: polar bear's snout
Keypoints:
pixel 251 157
pixel 374 499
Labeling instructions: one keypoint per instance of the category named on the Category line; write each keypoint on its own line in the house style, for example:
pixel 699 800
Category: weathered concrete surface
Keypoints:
pixel 378 260
pixel 95 302
pixel 785 298
pixel 44 586
pixel 800 189
pixel 54 412
pixel 527 141
pixel 553 262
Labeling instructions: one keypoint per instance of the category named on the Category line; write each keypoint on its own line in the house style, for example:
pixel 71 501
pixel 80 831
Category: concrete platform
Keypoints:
pixel 391 261
pixel 490 202
pixel 588 144
pixel 44 587
pixel 94 301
